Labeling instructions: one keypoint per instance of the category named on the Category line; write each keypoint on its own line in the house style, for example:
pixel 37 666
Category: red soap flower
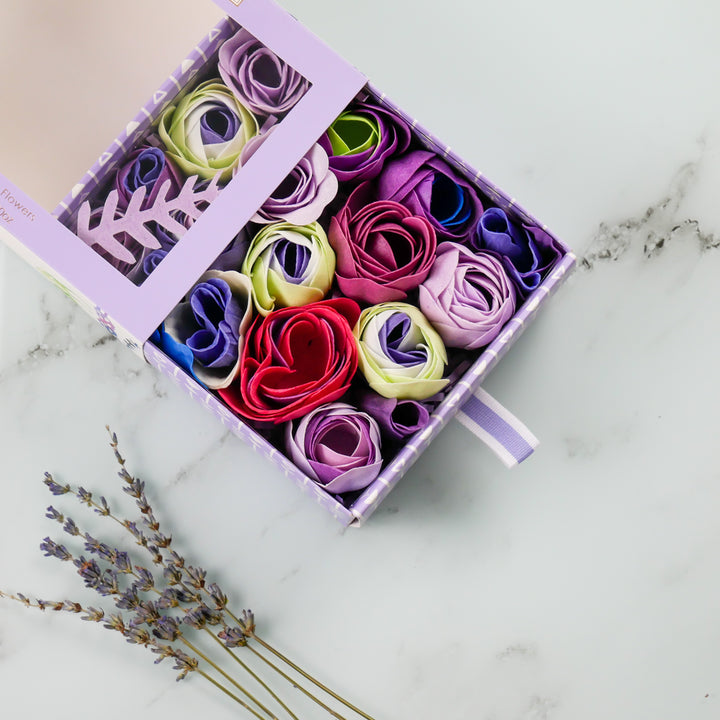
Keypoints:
pixel 295 360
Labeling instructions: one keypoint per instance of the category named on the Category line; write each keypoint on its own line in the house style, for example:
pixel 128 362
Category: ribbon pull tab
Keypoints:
pixel 498 428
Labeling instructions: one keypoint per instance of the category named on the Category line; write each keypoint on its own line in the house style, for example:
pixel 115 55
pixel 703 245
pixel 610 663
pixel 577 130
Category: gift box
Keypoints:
pixel 276 235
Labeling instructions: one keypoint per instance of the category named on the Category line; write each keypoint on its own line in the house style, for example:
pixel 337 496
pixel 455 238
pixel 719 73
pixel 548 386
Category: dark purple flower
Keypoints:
pixel 428 186
pixel 52 549
pixel 54 487
pixel 398 419
pixel 166 628
pixel 150 168
pixel 362 139
pixel 527 252
pixel 233 637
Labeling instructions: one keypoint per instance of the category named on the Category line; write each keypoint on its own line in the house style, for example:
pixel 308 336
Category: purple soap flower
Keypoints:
pixel 206 332
pixel 337 445
pixel 467 297
pixel 362 139
pixel 398 419
pixel 428 186
pixel 303 195
pixel 258 77
pixel 527 252
pixel 149 168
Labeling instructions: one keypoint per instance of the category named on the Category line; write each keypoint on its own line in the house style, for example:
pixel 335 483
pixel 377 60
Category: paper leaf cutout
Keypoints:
pixel 191 202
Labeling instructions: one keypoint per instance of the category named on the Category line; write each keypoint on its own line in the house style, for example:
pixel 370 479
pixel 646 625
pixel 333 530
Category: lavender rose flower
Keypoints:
pixel 468 297
pixel 527 252
pixel 362 139
pixel 263 81
pixel 206 332
pixel 428 186
pixel 383 249
pixel 301 198
pixel 336 445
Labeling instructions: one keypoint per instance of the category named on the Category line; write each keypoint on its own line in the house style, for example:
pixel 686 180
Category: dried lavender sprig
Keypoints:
pixel 183 662
pixel 136 489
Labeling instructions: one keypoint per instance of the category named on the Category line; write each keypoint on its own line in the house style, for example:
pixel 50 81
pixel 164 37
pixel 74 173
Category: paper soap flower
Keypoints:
pixel 295 360
pixel 383 250
pixel 149 168
pixel 303 195
pixel 527 252
pixel 206 332
pixel 336 445
pixel 468 297
pixel 289 265
pixel 362 139
pixel 398 419
pixel 207 130
pixel 401 355
pixel 263 81
pixel 428 186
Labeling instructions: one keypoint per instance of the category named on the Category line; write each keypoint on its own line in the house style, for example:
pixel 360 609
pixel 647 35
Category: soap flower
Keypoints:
pixel 383 249
pixel 206 332
pixel 295 360
pixel 527 252
pixel 336 445
pixel 428 186
pixel 362 139
pixel 261 80
pixel 303 195
pixel 146 167
pixel 289 265
pixel 397 419
pixel 468 297
pixel 207 130
pixel 400 354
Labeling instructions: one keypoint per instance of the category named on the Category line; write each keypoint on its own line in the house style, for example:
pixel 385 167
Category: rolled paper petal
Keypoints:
pixel 383 250
pixel 336 445
pixel 527 252
pixel 264 82
pixel 398 419
pixel 207 130
pixel 289 265
pixel 428 186
pixel 301 198
pixel 400 354
pixel 468 296
pixel 295 360
pixel 212 323
pixel 362 139
pixel 146 167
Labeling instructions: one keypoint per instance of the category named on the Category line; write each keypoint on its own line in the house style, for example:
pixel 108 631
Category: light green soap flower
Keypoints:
pixel 205 133
pixel 401 355
pixel 289 266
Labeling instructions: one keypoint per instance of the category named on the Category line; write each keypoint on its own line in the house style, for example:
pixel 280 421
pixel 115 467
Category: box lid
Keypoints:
pixel 133 312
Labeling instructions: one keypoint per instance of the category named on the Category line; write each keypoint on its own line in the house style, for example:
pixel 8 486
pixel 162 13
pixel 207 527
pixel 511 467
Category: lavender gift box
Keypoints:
pixel 131 312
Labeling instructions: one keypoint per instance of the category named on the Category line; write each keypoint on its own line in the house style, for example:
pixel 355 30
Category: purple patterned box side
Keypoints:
pixel 159 360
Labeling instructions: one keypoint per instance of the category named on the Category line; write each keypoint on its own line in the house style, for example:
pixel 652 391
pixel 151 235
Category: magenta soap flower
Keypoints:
pixel 301 198
pixel 263 81
pixel 527 252
pixel 428 186
pixel 336 445
pixel 150 168
pixel 467 297
pixel 209 326
pixel 362 139
pixel 383 250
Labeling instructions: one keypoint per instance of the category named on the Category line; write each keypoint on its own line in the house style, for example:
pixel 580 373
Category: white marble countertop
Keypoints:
pixel 584 584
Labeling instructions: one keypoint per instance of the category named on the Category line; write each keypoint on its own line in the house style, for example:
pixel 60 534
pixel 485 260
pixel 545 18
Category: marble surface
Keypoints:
pixel 584 584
